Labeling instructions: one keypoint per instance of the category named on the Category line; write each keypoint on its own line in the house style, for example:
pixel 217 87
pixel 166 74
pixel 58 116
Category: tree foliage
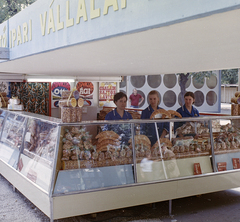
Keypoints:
pixel 199 77
pixel 9 8
pixel 229 76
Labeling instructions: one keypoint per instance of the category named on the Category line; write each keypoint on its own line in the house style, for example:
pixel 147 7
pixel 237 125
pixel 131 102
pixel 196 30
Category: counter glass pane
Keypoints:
pixel 94 156
pixel 2 117
pixel 226 134
pixel 184 152
pixel 12 137
pixel 37 158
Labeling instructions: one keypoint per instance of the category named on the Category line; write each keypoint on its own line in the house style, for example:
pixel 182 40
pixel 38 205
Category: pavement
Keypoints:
pixel 212 207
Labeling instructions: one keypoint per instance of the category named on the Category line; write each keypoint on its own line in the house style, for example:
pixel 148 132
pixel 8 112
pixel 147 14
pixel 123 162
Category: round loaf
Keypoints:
pixel 174 113
pixel 160 111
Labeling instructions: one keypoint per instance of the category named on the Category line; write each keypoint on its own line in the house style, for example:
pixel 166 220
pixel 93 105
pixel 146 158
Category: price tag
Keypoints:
pixel 197 169
pixel 222 166
pixel 235 162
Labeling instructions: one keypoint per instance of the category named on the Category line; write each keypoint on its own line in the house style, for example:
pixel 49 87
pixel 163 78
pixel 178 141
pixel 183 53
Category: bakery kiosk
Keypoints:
pixel 66 171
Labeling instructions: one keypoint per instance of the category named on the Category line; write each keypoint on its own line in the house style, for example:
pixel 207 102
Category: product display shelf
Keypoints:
pixel 79 173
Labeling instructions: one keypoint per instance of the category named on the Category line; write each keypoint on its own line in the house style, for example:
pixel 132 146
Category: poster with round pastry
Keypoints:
pixel 160 114
pixel 174 113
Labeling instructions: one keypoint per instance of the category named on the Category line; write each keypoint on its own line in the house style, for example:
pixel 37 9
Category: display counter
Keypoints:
pixel 69 169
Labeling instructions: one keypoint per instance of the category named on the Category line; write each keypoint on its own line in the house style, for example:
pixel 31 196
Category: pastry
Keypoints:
pixel 108 134
pixel 161 112
pixel 139 138
pixel 101 139
pixel 108 141
pixel 174 113
pixel 163 140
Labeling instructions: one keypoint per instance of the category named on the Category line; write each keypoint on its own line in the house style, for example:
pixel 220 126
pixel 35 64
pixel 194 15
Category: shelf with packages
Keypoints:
pixel 90 161
pixel 57 164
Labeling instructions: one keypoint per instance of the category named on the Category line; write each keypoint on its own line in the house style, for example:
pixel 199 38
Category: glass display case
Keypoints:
pixel 91 162
pixel 108 158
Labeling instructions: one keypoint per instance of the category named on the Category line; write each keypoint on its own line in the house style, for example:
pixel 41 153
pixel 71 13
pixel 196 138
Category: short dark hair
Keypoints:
pixel 189 94
pixel 118 96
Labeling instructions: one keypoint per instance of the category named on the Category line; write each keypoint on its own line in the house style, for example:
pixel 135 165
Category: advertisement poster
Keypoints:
pixel 107 90
pixel 57 89
pixel 86 90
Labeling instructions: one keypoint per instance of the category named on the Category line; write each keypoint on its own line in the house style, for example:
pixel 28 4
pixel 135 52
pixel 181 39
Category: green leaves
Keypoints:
pixel 229 76
pixel 9 8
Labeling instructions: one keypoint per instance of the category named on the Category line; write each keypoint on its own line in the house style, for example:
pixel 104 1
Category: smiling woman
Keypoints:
pixel 119 113
pixel 187 110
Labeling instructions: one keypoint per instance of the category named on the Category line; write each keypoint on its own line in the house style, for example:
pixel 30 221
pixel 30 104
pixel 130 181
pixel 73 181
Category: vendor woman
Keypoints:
pixel 119 113
pixel 187 110
pixel 149 128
